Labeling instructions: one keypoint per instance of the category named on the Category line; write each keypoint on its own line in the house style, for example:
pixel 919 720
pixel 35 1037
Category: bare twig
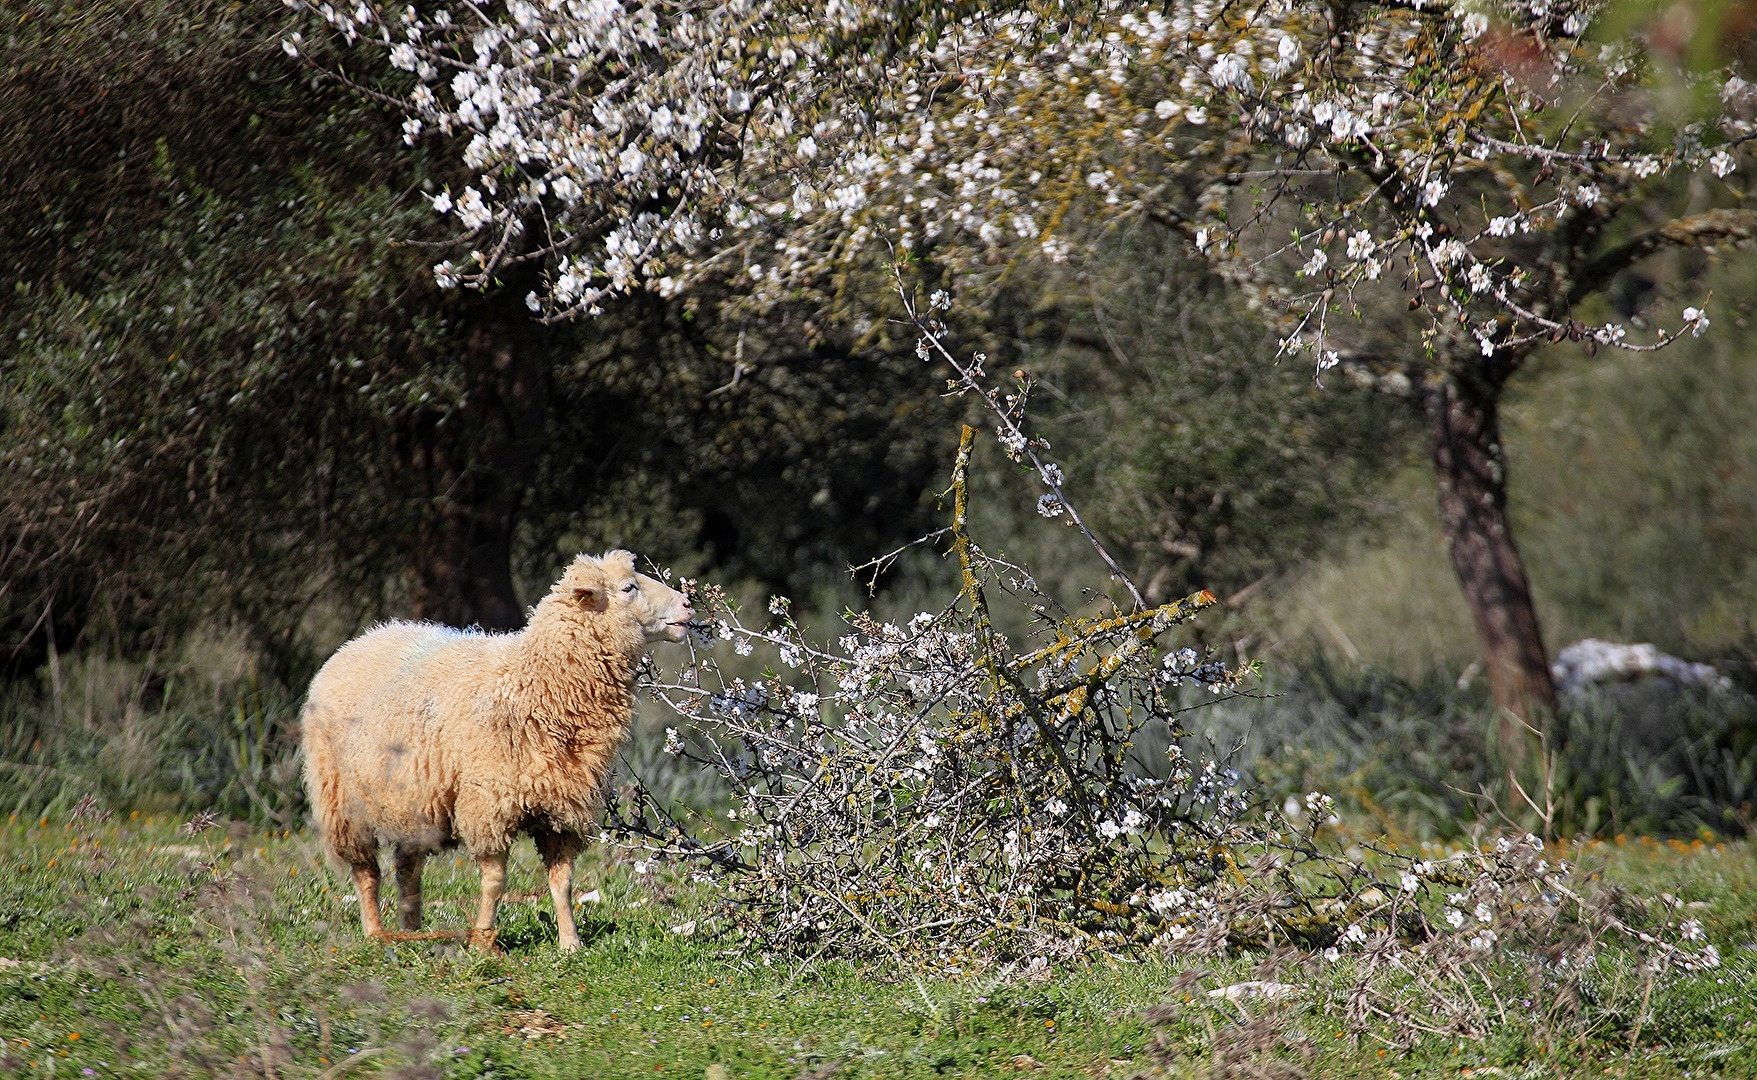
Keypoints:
pixel 968 374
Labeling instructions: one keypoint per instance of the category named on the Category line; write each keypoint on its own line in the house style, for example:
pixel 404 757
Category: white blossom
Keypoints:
pixel 473 211
pixel 1230 72
pixel 962 163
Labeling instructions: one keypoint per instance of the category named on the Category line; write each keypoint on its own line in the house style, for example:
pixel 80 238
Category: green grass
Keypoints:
pixel 131 950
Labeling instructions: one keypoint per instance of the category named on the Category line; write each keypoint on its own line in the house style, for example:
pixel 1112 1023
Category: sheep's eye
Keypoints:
pixel 630 587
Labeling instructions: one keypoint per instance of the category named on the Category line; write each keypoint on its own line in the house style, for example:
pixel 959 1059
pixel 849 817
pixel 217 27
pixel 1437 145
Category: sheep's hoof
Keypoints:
pixel 484 940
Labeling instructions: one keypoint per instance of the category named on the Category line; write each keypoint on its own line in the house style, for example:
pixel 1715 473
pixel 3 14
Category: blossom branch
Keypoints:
pixel 1049 473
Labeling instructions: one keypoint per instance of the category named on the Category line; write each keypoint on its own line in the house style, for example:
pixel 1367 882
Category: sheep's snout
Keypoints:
pixel 677 628
pixel 665 612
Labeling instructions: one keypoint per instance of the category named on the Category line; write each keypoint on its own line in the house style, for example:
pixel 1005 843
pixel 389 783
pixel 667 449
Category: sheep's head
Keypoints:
pixel 609 583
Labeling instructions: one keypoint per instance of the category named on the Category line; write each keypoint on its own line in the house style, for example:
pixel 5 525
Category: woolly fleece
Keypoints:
pixel 419 736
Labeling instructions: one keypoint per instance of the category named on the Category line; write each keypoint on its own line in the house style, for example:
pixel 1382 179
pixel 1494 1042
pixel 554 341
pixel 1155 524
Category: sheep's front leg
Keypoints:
pixel 409 865
pixel 366 887
pixel 558 850
pixel 493 867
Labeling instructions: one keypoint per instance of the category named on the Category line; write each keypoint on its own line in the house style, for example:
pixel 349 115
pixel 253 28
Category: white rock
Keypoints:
pixel 1591 662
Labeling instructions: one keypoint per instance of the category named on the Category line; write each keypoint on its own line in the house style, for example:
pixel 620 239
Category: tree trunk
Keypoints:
pixel 1464 439
pixel 476 467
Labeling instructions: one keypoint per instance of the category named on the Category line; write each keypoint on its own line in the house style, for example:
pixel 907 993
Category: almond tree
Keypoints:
pixel 1420 194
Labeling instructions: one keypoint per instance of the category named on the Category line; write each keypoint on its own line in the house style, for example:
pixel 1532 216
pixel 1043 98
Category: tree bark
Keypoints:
pixel 1464 440
pixel 476 467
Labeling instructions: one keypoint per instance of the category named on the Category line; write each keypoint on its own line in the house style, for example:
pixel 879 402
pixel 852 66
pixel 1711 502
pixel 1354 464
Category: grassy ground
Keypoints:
pixel 133 950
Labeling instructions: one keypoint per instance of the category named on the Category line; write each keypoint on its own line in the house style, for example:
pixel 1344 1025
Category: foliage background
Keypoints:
pixel 1635 499
pixel 229 388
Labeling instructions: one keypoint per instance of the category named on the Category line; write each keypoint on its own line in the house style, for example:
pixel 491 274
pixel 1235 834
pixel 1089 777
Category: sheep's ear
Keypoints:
pixel 589 597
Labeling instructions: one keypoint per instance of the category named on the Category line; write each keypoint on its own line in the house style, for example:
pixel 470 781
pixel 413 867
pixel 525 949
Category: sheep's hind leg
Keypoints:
pixel 409 865
pixel 493 869
pixel 366 886
pixel 558 850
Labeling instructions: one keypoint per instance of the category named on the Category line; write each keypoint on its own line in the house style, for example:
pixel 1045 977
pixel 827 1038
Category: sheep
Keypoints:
pixel 422 737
